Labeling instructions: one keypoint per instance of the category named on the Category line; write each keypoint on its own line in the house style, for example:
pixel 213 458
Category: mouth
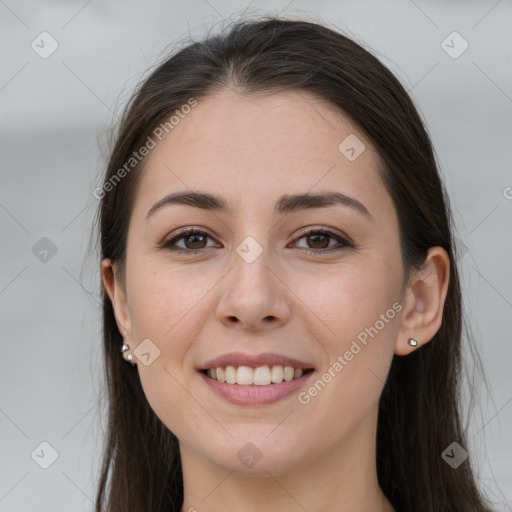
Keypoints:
pixel 255 379
pixel 265 375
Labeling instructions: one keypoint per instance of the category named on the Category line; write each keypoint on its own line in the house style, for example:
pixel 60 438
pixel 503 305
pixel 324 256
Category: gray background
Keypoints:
pixel 56 114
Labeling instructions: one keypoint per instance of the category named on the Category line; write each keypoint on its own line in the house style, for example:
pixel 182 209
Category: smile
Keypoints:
pixel 254 386
pixel 255 379
pixel 260 376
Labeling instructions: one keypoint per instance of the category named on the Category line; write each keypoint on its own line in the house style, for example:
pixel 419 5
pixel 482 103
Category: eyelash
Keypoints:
pixel 192 231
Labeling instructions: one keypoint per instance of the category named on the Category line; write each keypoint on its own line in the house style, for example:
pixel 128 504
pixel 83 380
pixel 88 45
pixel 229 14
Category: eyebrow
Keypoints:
pixel 286 204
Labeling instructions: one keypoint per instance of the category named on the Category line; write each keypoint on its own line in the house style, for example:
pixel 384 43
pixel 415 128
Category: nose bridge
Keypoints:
pixel 253 293
pixel 253 265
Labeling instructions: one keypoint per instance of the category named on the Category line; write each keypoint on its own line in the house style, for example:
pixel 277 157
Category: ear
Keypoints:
pixel 423 301
pixel 117 294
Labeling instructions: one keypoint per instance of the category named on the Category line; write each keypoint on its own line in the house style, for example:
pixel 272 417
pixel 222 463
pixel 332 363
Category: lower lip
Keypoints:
pixel 256 395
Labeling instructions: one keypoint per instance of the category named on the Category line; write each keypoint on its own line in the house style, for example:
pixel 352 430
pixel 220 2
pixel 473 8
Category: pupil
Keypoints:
pixel 316 237
pixel 194 239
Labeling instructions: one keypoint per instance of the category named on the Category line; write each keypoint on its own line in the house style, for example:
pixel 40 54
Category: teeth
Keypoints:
pixel 260 376
pixel 277 374
pixel 288 373
pixel 244 375
pixel 221 375
pixel 230 374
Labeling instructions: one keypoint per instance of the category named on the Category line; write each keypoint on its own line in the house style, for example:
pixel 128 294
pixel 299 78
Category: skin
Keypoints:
pixel 252 149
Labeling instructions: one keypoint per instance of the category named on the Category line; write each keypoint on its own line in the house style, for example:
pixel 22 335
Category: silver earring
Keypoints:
pixel 127 357
pixel 412 342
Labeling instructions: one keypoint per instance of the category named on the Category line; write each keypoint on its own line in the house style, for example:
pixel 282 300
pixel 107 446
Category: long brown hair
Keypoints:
pixel 419 415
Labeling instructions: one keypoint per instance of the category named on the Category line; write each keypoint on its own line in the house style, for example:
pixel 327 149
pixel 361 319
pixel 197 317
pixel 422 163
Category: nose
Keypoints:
pixel 253 296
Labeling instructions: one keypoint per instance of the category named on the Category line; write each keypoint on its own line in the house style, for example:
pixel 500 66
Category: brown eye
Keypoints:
pixel 193 240
pixel 318 241
pixel 196 241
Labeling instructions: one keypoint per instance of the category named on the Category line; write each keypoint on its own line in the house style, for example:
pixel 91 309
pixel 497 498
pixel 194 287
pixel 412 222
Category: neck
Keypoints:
pixel 343 478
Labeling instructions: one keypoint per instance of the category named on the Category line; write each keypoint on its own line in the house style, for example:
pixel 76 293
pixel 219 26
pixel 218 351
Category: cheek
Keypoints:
pixel 163 301
pixel 354 302
pixel 359 310
pixel 164 308
pixel 167 306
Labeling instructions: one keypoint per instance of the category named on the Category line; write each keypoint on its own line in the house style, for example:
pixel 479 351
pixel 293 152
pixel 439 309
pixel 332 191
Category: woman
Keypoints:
pixel 280 280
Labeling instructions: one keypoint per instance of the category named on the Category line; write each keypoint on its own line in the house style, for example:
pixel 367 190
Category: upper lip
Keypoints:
pixel 240 359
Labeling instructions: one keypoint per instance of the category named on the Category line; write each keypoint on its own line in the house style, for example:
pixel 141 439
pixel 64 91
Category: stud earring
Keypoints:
pixel 127 357
pixel 412 342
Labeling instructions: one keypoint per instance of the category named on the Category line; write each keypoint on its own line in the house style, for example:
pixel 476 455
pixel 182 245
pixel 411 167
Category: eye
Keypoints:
pixel 319 239
pixel 194 240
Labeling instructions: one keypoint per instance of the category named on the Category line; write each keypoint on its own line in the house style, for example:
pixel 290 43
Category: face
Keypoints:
pixel 269 281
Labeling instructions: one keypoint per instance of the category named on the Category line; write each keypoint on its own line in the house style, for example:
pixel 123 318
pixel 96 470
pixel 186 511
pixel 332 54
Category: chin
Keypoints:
pixel 258 455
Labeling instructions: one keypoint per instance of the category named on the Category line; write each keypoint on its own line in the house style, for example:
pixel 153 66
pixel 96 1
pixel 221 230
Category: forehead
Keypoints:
pixel 251 147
